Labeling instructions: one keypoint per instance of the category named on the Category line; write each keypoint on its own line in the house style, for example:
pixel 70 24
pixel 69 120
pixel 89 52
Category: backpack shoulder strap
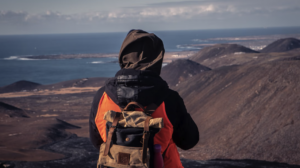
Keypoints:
pixel 110 133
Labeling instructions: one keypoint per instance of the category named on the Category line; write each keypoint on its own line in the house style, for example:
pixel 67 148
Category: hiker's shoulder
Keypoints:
pixel 100 91
pixel 98 95
pixel 173 95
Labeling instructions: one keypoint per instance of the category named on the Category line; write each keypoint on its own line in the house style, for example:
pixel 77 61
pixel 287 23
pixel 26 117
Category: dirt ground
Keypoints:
pixel 21 137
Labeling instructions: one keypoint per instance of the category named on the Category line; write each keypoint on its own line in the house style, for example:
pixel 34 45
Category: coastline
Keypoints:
pixel 69 90
pixel 169 56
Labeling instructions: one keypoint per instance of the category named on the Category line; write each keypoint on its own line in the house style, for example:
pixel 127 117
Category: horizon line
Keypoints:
pixel 151 31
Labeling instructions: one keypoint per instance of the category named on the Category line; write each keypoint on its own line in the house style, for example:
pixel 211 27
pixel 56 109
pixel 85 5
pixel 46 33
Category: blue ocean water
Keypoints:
pixel 53 71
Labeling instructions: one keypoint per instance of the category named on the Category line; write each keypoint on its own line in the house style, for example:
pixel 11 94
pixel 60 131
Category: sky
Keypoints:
pixel 91 16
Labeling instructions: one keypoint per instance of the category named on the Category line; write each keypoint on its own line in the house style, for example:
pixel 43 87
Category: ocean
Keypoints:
pixel 14 65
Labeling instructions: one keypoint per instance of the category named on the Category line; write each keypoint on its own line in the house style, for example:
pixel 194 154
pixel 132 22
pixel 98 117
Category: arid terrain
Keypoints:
pixel 246 104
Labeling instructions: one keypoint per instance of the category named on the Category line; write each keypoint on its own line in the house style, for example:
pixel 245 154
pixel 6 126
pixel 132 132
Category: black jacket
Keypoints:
pixel 146 87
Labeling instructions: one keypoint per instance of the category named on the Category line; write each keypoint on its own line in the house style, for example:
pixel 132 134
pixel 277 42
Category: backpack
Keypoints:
pixel 130 138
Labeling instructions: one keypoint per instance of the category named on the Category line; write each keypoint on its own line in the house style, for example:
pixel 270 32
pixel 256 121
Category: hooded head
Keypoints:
pixel 142 51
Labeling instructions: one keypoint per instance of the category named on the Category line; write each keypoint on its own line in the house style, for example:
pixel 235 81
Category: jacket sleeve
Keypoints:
pixel 185 134
pixel 94 133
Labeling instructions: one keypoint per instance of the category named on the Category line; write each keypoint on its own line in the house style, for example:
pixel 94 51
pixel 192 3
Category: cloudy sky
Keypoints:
pixel 87 16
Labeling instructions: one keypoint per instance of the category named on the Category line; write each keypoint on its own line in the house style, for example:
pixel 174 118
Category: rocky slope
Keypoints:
pixel 247 111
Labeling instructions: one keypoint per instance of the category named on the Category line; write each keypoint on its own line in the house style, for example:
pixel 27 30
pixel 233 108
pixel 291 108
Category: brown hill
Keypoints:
pixel 282 45
pixel 249 58
pixel 7 110
pixel 85 82
pixel 219 50
pixel 19 86
pixel 31 86
pixel 55 130
pixel 246 112
pixel 181 69
pixel 20 138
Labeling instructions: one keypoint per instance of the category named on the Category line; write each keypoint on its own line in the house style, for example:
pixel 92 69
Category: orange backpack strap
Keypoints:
pixel 105 104
pixel 164 138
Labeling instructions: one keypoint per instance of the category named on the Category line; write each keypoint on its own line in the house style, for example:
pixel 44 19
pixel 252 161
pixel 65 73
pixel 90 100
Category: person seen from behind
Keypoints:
pixel 140 58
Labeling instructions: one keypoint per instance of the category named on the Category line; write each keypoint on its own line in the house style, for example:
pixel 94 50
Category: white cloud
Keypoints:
pixel 218 14
pixel 175 12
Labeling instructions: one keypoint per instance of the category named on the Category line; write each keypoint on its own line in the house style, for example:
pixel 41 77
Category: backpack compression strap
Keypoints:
pixel 149 110
pixel 145 139
pixel 134 103
pixel 110 133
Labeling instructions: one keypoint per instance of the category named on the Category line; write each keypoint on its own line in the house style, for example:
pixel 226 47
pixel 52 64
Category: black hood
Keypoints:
pixel 142 51
pixel 142 86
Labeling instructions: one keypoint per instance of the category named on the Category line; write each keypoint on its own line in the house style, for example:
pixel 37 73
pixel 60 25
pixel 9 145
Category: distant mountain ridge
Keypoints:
pixel 180 70
pixel 220 55
pixel 19 86
pixel 282 45
pixel 218 50
pixel 30 86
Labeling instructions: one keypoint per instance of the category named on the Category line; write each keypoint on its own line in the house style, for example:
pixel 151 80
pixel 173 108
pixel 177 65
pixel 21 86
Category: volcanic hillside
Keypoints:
pixel 239 58
pixel 247 111
pixel 19 86
pixel 219 50
pixel 7 110
pixel 282 45
pixel 29 86
pixel 181 69
pixel 21 136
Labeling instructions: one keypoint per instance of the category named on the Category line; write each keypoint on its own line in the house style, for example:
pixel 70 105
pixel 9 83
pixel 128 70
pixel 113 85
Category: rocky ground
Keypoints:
pixel 81 154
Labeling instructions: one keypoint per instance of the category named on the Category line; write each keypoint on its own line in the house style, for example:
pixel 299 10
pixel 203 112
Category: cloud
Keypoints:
pixel 188 11
pixel 218 14
pixel 11 16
